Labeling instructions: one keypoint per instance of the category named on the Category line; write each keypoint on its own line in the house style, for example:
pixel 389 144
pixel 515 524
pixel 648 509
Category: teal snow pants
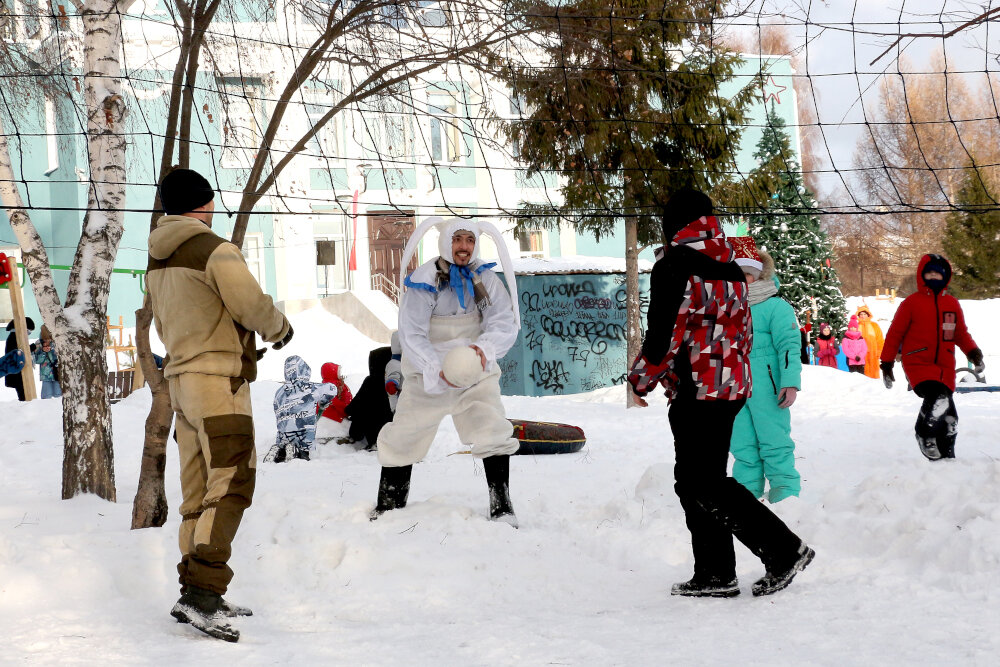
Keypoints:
pixel 762 445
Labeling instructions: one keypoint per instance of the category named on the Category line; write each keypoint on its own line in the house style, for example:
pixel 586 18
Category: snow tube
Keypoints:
pixel 547 438
pixel 976 383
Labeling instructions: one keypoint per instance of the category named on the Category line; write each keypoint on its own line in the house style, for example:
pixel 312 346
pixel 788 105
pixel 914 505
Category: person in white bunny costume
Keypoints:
pixel 450 301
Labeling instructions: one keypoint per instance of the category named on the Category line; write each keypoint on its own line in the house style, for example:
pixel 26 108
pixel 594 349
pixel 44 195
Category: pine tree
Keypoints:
pixel 792 235
pixel 970 241
pixel 625 106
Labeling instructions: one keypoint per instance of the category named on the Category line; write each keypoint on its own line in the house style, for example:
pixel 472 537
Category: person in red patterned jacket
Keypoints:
pixel 926 328
pixel 697 346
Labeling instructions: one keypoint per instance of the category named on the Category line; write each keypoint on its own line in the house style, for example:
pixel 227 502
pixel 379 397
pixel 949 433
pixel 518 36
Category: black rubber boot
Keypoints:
pixel 497 477
pixel 203 609
pixel 393 489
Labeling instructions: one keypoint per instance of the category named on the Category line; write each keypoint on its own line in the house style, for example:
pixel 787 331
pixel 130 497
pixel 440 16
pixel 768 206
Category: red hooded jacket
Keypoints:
pixel 331 374
pixel 926 328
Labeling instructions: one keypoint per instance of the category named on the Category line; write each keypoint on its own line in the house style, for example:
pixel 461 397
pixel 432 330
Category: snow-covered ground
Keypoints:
pixel 906 572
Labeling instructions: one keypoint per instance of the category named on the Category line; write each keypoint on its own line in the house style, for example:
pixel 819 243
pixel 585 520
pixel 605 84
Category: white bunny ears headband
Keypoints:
pixel 447 228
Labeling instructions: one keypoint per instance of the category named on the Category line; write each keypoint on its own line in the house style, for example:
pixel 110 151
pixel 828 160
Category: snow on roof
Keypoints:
pixel 575 264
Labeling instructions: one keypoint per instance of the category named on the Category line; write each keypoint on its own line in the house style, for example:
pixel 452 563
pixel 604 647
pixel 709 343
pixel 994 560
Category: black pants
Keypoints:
pixel 716 506
pixel 937 421
pixel 856 369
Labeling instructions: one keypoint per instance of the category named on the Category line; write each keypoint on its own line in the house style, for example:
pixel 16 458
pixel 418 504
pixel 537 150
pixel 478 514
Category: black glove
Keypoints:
pixel 976 357
pixel 260 353
pixel 284 341
pixel 887 377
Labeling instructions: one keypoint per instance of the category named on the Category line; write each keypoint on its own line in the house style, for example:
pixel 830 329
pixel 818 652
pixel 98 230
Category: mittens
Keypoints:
pixel 887 376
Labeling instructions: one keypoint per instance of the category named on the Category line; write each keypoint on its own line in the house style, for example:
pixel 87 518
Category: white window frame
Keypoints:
pixel 329 141
pixel 431 14
pixel 542 245
pixel 253 253
pixel 449 146
pixel 51 136
pixel 241 118
pixel 381 119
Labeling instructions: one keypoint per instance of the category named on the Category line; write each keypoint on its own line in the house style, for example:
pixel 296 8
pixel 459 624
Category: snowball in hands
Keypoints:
pixel 462 367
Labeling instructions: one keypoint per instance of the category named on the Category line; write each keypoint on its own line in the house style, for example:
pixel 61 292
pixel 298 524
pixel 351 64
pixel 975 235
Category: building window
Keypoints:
pixel 387 131
pixel 253 252
pixel 431 13
pixel 532 243
pixel 51 137
pixel 328 142
pixel 447 144
pixel 242 115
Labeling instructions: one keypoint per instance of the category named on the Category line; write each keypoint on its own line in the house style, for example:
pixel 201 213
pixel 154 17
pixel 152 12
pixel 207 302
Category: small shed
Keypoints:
pixel 573 325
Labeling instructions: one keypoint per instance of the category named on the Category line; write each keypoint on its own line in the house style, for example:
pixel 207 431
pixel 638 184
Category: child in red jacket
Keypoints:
pixel 926 328
pixel 333 423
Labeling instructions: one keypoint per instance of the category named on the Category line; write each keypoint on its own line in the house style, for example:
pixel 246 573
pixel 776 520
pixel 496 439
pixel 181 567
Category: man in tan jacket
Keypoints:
pixel 207 306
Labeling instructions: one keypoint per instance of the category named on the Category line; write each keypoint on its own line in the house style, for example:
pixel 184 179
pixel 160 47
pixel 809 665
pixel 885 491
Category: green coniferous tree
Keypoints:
pixel 791 234
pixel 971 239
pixel 624 103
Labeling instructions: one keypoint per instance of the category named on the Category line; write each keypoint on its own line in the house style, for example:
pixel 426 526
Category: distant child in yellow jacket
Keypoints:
pixel 872 333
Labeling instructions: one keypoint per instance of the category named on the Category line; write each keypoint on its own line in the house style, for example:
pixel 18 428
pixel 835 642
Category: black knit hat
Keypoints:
pixel 184 190
pixel 684 207
pixel 28 321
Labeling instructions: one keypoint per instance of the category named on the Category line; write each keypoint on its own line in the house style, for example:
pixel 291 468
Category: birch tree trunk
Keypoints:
pixel 78 327
pixel 634 316
pixel 88 455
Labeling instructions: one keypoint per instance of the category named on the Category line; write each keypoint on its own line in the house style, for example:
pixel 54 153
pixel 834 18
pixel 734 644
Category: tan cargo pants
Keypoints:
pixel 218 462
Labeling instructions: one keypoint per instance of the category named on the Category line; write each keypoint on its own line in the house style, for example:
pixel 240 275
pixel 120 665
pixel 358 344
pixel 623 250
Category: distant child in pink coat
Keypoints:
pixel 826 347
pixel 854 346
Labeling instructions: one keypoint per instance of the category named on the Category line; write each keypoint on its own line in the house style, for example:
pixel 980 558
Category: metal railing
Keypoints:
pixel 386 286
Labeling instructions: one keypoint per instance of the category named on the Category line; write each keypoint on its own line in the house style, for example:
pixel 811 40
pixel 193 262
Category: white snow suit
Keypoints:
pixel 432 321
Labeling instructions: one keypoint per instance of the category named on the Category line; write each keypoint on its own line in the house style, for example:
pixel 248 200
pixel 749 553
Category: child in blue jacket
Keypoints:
pixel 762 445
pixel 45 357
pixel 295 405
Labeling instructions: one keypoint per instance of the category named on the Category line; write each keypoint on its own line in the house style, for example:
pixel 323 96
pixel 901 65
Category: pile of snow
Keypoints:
pixel 907 551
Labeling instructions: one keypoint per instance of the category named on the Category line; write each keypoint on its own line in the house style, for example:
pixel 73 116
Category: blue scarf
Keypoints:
pixel 460 277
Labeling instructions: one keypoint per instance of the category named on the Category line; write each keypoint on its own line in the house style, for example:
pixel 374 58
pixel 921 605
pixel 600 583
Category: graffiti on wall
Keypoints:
pixel 573 333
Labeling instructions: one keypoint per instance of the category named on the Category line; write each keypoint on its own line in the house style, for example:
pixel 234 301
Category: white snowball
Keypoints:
pixel 462 367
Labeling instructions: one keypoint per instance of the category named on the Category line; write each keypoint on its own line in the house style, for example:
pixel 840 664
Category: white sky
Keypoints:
pixel 844 38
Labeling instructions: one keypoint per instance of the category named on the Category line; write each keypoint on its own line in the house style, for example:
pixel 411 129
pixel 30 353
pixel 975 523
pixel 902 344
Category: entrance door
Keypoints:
pixel 388 232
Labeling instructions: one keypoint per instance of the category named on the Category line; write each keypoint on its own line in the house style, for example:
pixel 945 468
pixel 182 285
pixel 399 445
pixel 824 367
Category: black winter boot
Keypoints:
pixel 772 582
pixel 393 489
pixel 231 610
pixel 497 477
pixel 203 609
pixel 713 587
pixel 226 607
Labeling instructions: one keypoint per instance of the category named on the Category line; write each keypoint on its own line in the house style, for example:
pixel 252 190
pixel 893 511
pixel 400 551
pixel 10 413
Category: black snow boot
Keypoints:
pixel 393 490
pixel 497 477
pixel 227 608
pixel 232 610
pixel 712 587
pixel 772 582
pixel 203 609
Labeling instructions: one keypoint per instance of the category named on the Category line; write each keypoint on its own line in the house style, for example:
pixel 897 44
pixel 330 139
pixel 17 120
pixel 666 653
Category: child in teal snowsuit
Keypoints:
pixel 762 445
